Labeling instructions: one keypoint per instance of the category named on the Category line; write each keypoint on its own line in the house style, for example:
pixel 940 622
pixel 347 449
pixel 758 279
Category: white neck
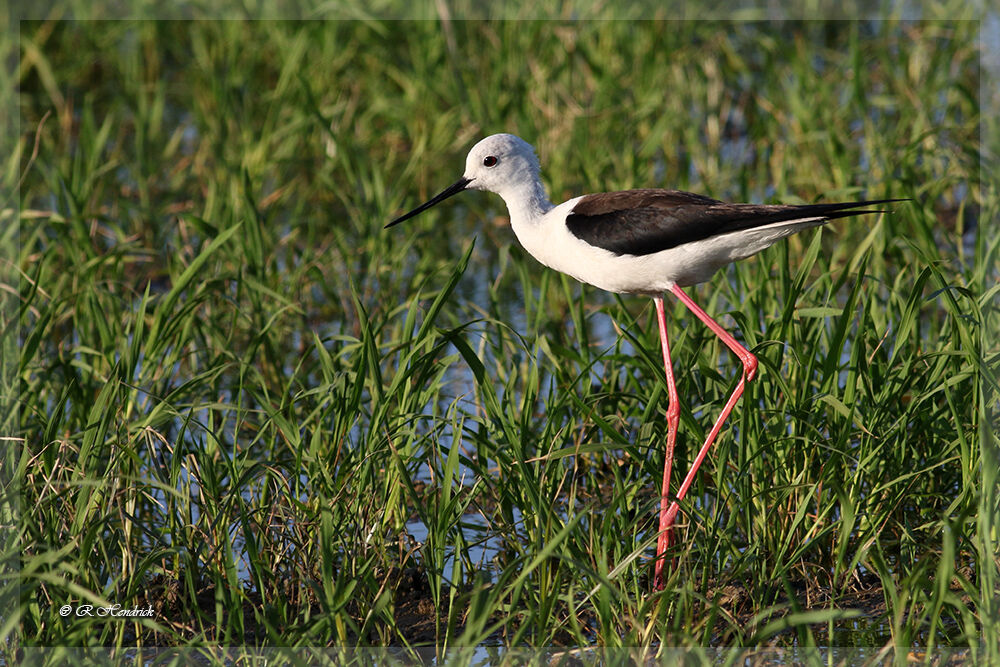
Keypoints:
pixel 526 202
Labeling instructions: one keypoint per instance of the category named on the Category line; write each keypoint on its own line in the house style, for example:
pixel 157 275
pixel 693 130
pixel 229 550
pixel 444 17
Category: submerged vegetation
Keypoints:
pixel 243 404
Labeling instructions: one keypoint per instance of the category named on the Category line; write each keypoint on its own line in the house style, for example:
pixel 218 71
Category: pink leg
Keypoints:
pixel 667 515
pixel 673 416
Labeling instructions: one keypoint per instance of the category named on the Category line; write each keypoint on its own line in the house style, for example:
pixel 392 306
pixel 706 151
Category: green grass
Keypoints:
pixel 235 391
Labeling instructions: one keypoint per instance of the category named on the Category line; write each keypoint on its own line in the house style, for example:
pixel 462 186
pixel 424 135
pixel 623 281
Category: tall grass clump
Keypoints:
pixel 244 405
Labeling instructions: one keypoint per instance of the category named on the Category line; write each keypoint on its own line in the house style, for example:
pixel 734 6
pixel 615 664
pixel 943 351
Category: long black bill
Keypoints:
pixel 453 189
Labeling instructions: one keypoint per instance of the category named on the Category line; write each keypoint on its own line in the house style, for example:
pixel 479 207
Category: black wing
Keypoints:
pixel 643 222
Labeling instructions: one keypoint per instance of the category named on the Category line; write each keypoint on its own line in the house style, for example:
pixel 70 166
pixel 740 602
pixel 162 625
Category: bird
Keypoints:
pixel 648 242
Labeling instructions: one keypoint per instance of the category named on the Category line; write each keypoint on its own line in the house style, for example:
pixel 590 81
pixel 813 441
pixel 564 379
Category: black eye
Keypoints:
pixel 490 160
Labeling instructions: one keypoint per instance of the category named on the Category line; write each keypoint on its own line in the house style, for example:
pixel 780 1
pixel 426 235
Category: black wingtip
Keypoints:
pixel 847 209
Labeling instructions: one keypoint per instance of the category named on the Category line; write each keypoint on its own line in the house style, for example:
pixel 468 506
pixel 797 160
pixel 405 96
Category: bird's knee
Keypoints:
pixel 750 366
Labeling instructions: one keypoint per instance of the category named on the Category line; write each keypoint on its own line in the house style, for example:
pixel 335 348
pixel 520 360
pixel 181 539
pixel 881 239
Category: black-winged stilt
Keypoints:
pixel 639 242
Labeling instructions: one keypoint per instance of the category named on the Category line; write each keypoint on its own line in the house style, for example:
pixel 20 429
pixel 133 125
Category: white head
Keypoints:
pixel 500 163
